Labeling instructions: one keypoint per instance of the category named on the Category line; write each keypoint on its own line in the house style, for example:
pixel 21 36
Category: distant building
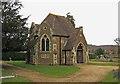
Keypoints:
pixel 111 50
pixel 55 42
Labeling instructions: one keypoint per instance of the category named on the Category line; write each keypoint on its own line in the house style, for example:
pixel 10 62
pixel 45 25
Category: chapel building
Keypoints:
pixel 56 42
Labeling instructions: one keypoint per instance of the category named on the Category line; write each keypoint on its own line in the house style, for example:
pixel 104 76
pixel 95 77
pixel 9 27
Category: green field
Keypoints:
pixel 116 59
pixel 113 60
pixel 16 79
pixel 113 63
pixel 103 63
pixel 50 71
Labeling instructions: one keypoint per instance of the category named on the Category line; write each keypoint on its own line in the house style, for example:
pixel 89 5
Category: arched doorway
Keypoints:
pixel 80 54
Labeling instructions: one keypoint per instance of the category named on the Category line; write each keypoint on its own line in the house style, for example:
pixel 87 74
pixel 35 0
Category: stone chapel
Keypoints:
pixel 56 42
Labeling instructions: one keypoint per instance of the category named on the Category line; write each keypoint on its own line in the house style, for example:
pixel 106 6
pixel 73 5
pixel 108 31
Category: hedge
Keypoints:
pixel 14 55
pixel 92 56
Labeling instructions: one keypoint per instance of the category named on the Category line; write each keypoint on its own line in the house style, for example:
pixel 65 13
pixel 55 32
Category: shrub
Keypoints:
pixel 14 55
pixel 99 51
pixel 116 74
pixel 92 56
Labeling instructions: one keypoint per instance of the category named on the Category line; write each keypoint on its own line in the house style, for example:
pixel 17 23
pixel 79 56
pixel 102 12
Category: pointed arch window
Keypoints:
pixel 45 43
pixel 80 47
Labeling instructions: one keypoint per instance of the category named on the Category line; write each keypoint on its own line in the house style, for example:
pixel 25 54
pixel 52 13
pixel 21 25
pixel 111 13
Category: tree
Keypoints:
pixel 14 27
pixel 71 19
pixel 99 51
pixel 117 40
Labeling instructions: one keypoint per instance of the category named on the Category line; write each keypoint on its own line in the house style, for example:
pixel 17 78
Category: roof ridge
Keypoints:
pixel 56 15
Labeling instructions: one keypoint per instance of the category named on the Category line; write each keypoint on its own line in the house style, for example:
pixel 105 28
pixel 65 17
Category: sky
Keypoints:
pixel 99 18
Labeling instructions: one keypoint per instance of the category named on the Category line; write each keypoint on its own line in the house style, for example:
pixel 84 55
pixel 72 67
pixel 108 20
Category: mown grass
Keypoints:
pixel 116 59
pixel 16 79
pixel 110 78
pixel 50 71
pixel 103 63
pixel 113 60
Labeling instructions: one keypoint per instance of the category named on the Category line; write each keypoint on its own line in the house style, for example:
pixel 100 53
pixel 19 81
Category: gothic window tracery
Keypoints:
pixel 45 43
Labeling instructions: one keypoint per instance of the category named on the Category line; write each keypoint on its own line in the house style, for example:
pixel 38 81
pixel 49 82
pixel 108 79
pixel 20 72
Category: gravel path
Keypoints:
pixel 87 73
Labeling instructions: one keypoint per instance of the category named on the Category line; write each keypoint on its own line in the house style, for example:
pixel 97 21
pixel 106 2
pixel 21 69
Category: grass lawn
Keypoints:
pixel 110 78
pixel 113 60
pixel 50 71
pixel 114 63
pixel 16 79
pixel 116 59
pixel 103 63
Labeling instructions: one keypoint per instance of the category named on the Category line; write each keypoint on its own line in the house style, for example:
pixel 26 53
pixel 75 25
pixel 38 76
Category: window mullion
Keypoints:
pixel 45 44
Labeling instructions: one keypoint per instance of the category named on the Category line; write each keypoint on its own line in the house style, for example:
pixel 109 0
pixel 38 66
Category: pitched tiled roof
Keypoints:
pixel 71 40
pixel 62 27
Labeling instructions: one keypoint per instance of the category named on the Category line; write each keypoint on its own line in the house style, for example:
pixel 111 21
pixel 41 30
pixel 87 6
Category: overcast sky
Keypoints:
pixel 99 18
